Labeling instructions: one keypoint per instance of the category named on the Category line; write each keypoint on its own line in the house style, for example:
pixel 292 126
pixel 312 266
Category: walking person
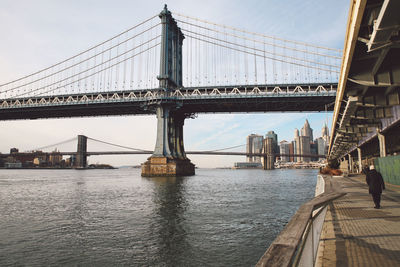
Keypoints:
pixel 376 185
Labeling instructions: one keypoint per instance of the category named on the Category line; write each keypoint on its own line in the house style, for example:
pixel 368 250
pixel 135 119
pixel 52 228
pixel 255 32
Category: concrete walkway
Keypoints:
pixel 356 234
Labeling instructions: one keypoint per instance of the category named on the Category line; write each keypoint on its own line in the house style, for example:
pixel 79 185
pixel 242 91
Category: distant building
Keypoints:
pixel 40 159
pixel 274 136
pixel 314 150
pixel 284 148
pixel 254 144
pixel 295 144
pixel 302 142
pixel 291 151
pixel 247 165
pixel 55 158
pixel 302 148
pixel 307 131
pixel 13 165
pixel 325 133
pixel 321 144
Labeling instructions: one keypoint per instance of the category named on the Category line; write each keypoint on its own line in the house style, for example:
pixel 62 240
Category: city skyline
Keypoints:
pixel 59 34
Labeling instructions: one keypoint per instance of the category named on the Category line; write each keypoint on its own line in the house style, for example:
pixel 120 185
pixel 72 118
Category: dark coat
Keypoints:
pixel 375 182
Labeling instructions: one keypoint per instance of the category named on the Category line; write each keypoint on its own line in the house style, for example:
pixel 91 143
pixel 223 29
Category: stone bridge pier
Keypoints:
pixel 169 157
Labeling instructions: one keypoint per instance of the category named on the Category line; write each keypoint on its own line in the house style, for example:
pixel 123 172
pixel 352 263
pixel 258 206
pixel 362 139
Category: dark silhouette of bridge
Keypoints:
pixel 82 153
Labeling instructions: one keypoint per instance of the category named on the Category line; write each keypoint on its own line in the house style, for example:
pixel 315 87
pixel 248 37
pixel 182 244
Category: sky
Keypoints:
pixel 36 34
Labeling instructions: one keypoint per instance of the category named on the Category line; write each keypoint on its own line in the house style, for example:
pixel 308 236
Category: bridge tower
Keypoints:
pixel 269 159
pixel 169 158
pixel 81 157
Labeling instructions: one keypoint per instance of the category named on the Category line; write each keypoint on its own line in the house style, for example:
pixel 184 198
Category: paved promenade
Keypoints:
pixel 356 234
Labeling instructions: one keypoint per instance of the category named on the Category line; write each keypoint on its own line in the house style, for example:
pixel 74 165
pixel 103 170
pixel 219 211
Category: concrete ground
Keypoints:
pixel 356 234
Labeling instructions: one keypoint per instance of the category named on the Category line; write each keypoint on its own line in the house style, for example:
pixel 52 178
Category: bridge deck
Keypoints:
pixel 222 99
pixel 356 234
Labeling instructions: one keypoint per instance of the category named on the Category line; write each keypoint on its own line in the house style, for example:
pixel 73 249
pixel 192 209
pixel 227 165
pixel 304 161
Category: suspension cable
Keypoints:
pixel 226 148
pixel 53 145
pixel 116 145
pixel 250 53
pixel 81 53
pixel 262 42
pixel 260 50
pixel 258 34
pixel 80 62
pixel 77 74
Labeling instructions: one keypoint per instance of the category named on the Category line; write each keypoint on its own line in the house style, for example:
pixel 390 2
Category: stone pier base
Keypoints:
pixel 163 166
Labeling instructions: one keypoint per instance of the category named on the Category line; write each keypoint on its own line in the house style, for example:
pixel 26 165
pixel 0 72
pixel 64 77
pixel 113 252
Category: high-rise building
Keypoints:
pixel 314 150
pixel 291 151
pixel 254 145
pixel 307 131
pixel 274 136
pixel 303 142
pixel 303 148
pixel 325 133
pixel 295 144
pixel 284 148
pixel 321 144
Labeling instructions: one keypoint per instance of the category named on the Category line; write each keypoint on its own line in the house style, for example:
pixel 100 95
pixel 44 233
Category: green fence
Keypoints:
pixel 389 167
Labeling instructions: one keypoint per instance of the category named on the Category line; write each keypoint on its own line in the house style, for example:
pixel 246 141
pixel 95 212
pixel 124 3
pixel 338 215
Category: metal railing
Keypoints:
pixel 297 244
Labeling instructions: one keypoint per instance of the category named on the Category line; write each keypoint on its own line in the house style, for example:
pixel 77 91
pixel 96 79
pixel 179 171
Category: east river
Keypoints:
pixel 117 218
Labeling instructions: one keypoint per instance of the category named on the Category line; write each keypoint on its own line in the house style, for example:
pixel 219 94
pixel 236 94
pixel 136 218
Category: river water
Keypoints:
pixel 117 218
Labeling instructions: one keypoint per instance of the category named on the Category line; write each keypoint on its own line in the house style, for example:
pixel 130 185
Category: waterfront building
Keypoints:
pixel 254 144
pixel 13 165
pixel 55 158
pixel 247 165
pixel 284 148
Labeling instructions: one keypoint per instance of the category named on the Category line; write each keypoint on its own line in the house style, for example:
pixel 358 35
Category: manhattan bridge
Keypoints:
pixel 176 66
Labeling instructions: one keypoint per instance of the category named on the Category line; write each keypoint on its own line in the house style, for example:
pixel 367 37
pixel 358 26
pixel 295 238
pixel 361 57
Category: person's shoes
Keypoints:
pixel 377 207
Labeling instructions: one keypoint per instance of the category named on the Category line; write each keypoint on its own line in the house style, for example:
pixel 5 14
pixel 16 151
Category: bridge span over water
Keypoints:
pixel 202 67
pixel 82 152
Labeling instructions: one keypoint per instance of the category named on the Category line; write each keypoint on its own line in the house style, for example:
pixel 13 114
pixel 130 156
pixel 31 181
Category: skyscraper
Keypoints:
pixel 274 136
pixel 302 143
pixel 284 148
pixel 295 144
pixel 307 131
pixel 303 148
pixel 325 133
pixel 321 146
pixel 254 145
